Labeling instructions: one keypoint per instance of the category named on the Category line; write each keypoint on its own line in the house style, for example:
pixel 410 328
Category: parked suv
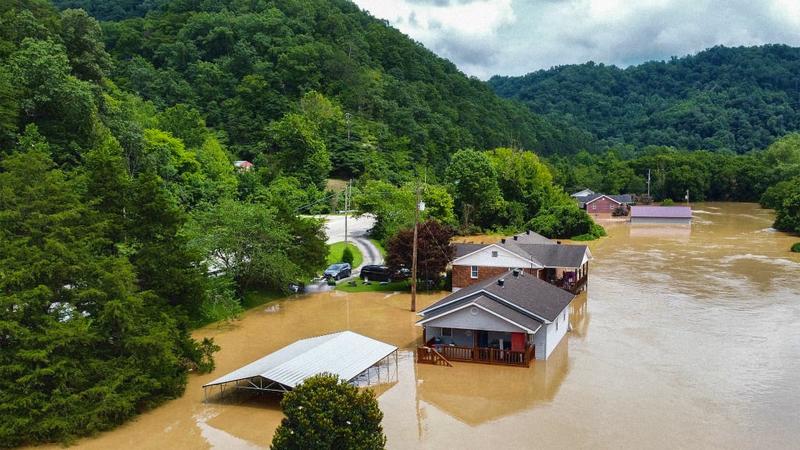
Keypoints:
pixel 338 271
pixel 376 273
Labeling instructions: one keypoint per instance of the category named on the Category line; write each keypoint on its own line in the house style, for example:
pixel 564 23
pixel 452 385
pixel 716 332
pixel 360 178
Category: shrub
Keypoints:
pixel 325 412
pixel 796 247
pixel 347 255
pixel 667 202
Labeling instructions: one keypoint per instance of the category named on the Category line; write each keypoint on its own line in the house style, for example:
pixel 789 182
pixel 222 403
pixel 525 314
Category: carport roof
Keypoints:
pixel 345 354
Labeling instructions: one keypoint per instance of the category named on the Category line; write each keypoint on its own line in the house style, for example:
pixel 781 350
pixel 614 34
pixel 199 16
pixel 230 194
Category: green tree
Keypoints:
pixel 164 262
pixel 83 40
pixel 255 245
pixel 325 412
pixel 75 326
pixel 300 151
pixel 475 186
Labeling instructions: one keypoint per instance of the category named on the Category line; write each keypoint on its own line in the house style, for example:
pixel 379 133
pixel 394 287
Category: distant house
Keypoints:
pixel 661 214
pixel 511 319
pixel 566 266
pixel 243 166
pixel 604 204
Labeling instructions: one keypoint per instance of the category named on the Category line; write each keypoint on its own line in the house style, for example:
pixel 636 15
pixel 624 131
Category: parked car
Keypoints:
pixel 376 273
pixel 338 271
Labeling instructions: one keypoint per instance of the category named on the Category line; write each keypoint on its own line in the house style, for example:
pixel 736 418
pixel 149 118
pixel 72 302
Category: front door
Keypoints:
pixel 483 338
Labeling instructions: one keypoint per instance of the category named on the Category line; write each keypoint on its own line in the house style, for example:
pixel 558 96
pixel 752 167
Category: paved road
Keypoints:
pixel 357 228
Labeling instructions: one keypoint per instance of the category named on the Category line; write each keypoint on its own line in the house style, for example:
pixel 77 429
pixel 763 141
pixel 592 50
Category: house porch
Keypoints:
pixel 480 346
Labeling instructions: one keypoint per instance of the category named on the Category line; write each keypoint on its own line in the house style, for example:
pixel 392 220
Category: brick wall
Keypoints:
pixel 462 278
pixel 603 205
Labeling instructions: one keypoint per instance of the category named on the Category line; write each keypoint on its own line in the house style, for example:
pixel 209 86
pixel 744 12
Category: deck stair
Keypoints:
pixel 429 355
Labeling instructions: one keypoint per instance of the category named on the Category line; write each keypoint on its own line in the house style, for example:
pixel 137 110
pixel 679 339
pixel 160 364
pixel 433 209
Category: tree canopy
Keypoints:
pixel 325 412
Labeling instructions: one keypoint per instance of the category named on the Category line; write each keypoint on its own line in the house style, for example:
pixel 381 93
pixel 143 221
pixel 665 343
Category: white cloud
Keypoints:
pixel 486 37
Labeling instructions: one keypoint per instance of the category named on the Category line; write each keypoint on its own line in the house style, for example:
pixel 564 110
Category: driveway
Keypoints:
pixel 357 228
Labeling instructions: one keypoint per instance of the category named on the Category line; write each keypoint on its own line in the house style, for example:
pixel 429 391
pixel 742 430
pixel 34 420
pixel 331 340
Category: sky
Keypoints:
pixel 514 37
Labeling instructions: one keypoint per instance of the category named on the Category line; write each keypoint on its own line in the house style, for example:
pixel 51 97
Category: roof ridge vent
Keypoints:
pixel 503 241
pixel 501 282
pixel 515 237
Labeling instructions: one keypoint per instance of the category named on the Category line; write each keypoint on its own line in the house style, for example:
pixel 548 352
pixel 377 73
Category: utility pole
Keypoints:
pixel 648 183
pixel 347 191
pixel 687 196
pixel 414 255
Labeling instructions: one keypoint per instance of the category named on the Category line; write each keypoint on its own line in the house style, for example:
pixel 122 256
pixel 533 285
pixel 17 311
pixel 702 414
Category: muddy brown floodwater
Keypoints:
pixel 688 337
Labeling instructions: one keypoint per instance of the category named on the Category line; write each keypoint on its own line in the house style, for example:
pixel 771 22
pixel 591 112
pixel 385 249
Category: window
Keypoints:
pixel 473 272
pixel 447 332
pixel 494 254
pixel 594 206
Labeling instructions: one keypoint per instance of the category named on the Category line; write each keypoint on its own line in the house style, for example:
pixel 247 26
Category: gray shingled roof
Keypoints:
pixel 624 198
pixel 466 249
pixel 547 254
pixel 556 255
pixel 529 237
pixel 526 294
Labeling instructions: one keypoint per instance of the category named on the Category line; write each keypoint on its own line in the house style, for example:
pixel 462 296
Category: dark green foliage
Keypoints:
pixel 565 220
pixel 796 247
pixel 327 413
pixel 246 64
pixel 787 217
pixel 722 98
pixel 112 10
pixel 347 255
pixel 80 349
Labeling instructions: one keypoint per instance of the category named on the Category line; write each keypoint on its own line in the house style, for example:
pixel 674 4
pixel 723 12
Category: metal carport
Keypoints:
pixel 346 354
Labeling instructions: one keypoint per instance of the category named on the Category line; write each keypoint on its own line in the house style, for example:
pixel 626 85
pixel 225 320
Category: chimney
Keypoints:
pixel 515 237
pixel 503 241
pixel 528 232
pixel 515 272
pixel 558 242
pixel 501 282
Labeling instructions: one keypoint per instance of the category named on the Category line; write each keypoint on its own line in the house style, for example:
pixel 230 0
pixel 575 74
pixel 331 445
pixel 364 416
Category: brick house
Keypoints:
pixel 566 266
pixel 602 204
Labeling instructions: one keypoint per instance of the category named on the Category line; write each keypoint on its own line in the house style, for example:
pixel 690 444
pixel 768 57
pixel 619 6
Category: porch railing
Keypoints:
pixel 483 355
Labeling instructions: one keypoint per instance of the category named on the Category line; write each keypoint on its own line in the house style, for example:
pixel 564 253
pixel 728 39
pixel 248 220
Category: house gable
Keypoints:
pixel 605 197
pixel 473 317
pixel 504 258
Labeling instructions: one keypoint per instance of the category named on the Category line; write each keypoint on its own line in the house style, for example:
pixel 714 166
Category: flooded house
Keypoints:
pixel 678 215
pixel 566 266
pixel 602 204
pixel 508 319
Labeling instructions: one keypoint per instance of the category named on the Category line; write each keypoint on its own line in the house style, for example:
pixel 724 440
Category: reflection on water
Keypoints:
pixel 690 342
pixel 478 393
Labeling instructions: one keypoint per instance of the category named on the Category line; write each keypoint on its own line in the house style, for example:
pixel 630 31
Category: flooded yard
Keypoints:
pixel 688 337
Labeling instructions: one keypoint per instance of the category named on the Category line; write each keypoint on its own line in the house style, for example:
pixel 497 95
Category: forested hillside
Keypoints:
pixel 722 98
pixel 246 64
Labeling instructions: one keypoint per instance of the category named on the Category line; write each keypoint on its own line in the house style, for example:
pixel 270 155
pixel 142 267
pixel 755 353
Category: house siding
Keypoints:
pixel 549 336
pixel 661 220
pixel 462 274
pixel 603 205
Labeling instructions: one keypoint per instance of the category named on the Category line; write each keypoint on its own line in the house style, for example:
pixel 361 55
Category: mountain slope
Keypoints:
pixel 736 98
pixel 246 64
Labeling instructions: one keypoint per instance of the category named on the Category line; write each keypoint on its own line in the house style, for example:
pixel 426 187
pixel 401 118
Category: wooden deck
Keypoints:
pixel 434 354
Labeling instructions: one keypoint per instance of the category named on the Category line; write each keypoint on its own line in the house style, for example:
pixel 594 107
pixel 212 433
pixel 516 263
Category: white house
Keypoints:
pixel 509 319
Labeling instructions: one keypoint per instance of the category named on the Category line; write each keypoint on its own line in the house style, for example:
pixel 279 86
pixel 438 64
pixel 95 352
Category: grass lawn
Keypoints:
pixel 335 254
pixel 402 285
pixel 380 248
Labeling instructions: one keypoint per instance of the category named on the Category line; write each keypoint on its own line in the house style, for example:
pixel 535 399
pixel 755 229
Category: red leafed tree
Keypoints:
pixel 434 250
